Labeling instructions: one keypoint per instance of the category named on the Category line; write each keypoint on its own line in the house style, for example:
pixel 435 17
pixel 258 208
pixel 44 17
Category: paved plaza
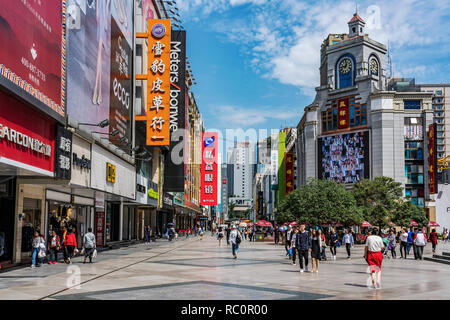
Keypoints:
pixel 198 270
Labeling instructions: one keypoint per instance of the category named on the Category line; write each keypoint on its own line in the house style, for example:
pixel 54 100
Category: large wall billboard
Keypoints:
pixel 100 38
pixel 344 158
pixel 31 34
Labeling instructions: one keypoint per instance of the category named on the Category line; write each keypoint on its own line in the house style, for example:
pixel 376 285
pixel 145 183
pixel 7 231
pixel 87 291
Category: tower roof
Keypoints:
pixel 356 17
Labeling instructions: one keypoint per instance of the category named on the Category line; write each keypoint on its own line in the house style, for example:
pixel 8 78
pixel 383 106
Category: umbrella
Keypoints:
pixel 293 223
pixel 433 224
pixel 392 224
pixel 413 223
pixel 263 223
pixel 366 224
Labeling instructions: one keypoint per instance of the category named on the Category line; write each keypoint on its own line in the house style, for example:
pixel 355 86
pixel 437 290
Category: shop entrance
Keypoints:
pixel 31 222
pixel 7 206
pixel 112 232
pixel 64 216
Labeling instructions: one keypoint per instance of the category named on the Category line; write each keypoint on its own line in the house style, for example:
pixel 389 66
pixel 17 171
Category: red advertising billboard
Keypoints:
pixel 27 138
pixel 208 194
pixel 343 113
pixel 289 159
pixel 31 33
pixel 432 158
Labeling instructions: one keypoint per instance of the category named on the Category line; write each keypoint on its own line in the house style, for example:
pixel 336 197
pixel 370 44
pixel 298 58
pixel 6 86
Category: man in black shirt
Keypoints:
pixel 303 245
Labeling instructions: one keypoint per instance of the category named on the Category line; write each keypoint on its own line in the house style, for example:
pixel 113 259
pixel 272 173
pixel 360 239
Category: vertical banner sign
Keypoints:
pixel 121 83
pixel 174 162
pixel 343 114
pixel 100 228
pixel 158 82
pixel 63 153
pixel 274 167
pixel 281 166
pixel 208 194
pixel 432 158
pixel 289 172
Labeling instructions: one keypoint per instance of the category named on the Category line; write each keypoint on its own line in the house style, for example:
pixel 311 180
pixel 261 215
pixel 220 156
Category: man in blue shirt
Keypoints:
pixel 410 241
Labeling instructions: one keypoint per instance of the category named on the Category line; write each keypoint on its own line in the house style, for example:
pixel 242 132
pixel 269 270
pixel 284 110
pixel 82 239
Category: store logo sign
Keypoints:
pixel 25 141
pixel 159 30
pixel 110 173
pixel 83 163
pixel 209 142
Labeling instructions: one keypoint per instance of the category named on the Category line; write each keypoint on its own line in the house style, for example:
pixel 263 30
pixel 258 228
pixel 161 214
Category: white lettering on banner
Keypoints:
pixel 208 189
pixel 209 155
pixel 121 94
pixel 65 144
pixel 157 122
pixel 157 85
pixel 158 66
pixel 157 48
pixel 64 162
pixel 157 104
pixel 174 61
pixel 174 109
pixel 23 140
pixel 209 177
pixel 209 167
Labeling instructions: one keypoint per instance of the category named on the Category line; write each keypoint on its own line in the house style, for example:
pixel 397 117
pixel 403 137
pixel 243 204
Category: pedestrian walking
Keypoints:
pixel 414 234
pixel 334 239
pixel 227 232
pixel 445 235
pixel 277 235
pixel 434 239
pixel 303 245
pixel 316 247
pixel 287 243
pixel 70 243
pixel 410 242
pixel 37 243
pixel 392 244
pixel 293 247
pixel 89 245
pixel 323 254
pixel 374 257
pixel 220 236
pixel 403 243
pixel 201 233
pixel 188 232
pixel 348 240
pixel 54 245
pixel 235 239
pixel 420 241
pixel 147 234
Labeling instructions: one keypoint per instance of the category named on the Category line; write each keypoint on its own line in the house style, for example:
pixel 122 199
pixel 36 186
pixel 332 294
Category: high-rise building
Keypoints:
pixel 242 157
pixel 360 125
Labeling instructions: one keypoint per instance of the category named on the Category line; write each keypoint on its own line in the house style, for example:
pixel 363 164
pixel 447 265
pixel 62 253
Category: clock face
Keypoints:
pixel 374 67
pixel 345 66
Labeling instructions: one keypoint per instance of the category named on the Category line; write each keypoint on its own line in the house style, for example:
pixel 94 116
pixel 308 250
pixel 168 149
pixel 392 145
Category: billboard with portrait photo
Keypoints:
pixel 344 158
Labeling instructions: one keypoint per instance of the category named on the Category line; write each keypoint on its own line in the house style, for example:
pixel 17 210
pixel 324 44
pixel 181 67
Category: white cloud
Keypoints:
pixel 239 117
pixel 283 37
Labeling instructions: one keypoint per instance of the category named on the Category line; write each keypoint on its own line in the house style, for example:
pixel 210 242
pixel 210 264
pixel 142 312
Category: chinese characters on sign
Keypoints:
pixel 158 82
pixel 111 173
pixel 289 172
pixel 432 158
pixel 208 194
pixel 343 114
pixel 99 228
pixel 63 150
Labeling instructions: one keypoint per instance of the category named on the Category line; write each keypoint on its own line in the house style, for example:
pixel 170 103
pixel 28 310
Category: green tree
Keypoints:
pixel 231 213
pixel 407 211
pixel 379 199
pixel 319 202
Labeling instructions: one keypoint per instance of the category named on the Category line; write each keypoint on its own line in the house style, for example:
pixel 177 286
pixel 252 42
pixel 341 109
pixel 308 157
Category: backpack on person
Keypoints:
pixel 238 238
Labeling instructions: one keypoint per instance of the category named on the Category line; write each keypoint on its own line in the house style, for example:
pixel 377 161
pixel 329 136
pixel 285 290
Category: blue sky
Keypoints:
pixel 256 61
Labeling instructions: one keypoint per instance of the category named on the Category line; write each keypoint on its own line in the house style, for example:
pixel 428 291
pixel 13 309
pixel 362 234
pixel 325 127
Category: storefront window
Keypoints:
pixel 31 222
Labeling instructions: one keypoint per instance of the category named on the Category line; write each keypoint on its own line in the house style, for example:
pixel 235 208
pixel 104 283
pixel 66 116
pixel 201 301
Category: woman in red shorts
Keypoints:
pixel 373 256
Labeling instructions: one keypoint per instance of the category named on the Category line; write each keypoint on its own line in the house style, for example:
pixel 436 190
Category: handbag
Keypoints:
pixel 238 239
pixel 94 254
pixel 338 244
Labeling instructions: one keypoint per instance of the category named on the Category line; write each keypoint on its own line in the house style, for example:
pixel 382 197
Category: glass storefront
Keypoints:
pixel 62 215
pixel 31 222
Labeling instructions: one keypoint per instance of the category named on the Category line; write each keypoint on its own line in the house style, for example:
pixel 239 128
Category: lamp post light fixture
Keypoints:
pixel 102 124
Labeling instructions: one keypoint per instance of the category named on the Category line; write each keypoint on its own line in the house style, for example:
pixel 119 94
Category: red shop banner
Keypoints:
pixel 27 138
pixel 343 114
pixel 32 32
pixel 208 194
pixel 100 228
pixel 289 159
